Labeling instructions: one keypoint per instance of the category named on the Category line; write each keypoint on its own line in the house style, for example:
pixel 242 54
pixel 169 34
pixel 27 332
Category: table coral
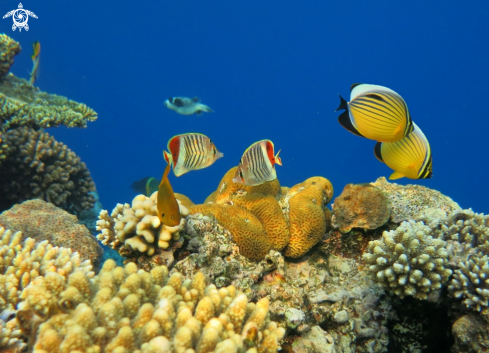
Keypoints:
pixel 23 260
pixel 37 166
pixel 408 201
pixel 409 261
pixel 24 105
pixel 9 48
pixel 360 206
pixel 137 228
pixel 260 218
pixel 41 221
pixel 126 310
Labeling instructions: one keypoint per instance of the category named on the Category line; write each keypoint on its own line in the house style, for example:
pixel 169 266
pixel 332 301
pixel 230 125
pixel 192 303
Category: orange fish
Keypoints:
pixel 168 209
pixel 36 57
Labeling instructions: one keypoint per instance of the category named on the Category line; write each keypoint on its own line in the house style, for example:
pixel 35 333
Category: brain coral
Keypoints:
pixel 137 227
pixel 360 206
pixel 409 261
pixel 9 48
pixel 408 201
pixel 24 105
pixel 260 218
pixel 37 166
pixel 41 220
pixel 126 310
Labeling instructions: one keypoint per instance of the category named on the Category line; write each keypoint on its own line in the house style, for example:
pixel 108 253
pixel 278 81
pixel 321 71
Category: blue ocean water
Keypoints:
pixel 269 69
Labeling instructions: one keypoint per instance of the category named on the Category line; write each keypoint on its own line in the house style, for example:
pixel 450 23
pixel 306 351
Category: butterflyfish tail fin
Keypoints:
pixel 378 151
pixel 278 160
pixel 396 175
pixel 343 104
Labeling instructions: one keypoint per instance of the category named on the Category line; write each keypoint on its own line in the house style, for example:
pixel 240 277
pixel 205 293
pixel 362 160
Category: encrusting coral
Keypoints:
pixel 260 218
pixel 137 227
pixel 126 310
pixel 9 48
pixel 409 261
pixel 360 206
pixel 41 220
pixel 37 166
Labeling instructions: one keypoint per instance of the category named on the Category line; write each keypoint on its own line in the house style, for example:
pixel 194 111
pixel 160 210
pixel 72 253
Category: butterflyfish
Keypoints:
pixel 409 157
pixel 187 106
pixel 36 56
pixel 167 205
pixel 146 186
pixel 375 112
pixel 191 151
pixel 257 165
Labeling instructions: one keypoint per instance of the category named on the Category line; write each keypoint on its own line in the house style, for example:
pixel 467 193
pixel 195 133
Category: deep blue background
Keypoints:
pixel 269 69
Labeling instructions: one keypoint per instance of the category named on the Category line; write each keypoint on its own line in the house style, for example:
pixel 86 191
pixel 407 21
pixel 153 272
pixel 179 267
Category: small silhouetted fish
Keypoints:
pixel 187 106
pixel 145 186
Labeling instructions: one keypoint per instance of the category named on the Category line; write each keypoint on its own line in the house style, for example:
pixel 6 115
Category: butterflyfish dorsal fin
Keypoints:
pixel 378 151
pixel 196 99
pixel 278 160
pixel 354 85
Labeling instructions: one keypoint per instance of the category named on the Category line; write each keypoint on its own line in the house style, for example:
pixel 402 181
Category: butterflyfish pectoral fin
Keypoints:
pixel 378 151
pixel 278 160
pixel 396 175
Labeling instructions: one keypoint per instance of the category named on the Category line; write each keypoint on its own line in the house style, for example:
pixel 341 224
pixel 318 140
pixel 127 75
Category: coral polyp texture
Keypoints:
pixel 41 221
pixel 9 48
pixel 360 206
pixel 37 166
pixel 408 201
pixel 136 227
pixel 131 310
pixel 260 218
pixel 409 261
pixel 24 105
pixel 23 260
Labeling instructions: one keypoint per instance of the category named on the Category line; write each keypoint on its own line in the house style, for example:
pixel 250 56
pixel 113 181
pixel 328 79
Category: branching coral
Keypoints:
pixel 24 105
pixel 260 219
pixel 409 261
pixel 126 310
pixel 37 166
pixel 41 220
pixel 22 261
pixel 9 48
pixel 137 227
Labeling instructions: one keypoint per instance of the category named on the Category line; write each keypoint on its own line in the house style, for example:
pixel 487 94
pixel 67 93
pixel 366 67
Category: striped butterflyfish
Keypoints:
pixel 257 165
pixel 409 157
pixel 190 151
pixel 375 112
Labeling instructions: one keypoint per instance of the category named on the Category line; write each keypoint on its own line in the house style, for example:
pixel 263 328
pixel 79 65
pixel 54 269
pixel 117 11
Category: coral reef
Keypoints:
pixel 25 105
pixel 9 48
pixel 41 221
pixel 408 201
pixel 260 218
pixel 126 310
pixel 409 261
pixel 37 166
pixel 360 206
pixel 471 334
pixel 135 229
pixel 22 261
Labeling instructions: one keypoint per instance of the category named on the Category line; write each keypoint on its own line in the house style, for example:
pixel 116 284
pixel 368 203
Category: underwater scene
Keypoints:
pixel 244 177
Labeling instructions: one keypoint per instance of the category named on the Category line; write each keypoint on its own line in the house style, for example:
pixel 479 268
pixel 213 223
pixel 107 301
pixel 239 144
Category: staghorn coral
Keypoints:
pixel 37 166
pixel 9 48
pixel 408 201
pixel 41 220
pixel 24 105
pixel 126 310
pixel 260 218
pixel 22 261
pixel 137 228
pixel 409 261
pixel 360 206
